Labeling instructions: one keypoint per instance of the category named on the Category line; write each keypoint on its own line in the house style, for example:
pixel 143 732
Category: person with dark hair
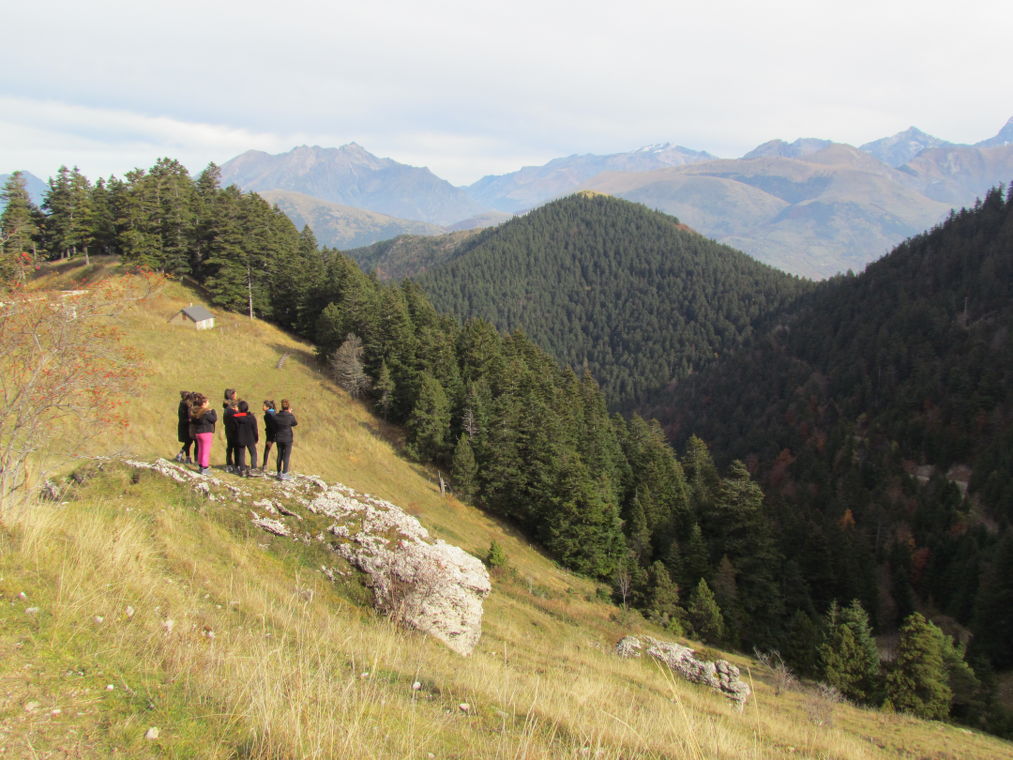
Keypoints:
pixel 246 438
pixel 269 412
pixel 204 419
pixel 231 447
pixel 284 421
pixel 183 427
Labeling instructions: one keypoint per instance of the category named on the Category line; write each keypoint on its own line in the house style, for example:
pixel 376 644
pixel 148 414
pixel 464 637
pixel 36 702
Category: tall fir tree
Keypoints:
pixel 19 229
pixel 918 682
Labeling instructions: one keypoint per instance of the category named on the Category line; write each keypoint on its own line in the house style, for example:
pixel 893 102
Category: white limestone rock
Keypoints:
pixel 719 675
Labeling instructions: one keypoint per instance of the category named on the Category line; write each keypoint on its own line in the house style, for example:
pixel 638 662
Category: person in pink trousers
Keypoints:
pixel 204 419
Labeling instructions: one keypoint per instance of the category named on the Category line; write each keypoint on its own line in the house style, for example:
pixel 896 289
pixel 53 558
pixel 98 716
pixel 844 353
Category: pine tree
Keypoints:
pixel 848 654
pixel 579 525
pixel 705 615
pixel 464 468
pixel 663 598
pixel 19 230
pixel 429 422
pixel 802 641
pixel 68 211
pixel 383 392
pixel 918 682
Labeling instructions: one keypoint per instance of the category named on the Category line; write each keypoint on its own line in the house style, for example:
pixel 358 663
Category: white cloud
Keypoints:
pixel 438 83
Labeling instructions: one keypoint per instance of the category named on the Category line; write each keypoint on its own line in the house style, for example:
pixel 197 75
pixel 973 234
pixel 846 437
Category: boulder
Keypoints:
pixel 421 582
pixel 720 675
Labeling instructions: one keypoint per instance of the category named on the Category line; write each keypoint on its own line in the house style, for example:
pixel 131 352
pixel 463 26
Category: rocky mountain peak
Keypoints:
pixel 900 148
pixel 1004 137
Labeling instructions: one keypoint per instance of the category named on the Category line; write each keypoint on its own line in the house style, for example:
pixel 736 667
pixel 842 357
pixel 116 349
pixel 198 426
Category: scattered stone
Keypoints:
pixel 110 687
pixel 129 612
pixel 416 686
pixel 271 525
pixel 152 733
pixel 99 619
pixel 31 610
pixel 720 675
pixel 22 595
pixel 464 707
pixel 32 706
pixel 168 625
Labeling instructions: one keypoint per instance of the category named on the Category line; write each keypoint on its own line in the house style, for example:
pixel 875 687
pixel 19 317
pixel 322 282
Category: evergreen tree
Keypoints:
pixel 802 642
pixel 705 615
pixel 580 527
pixel 68 211
pixel 429 422
pixel 849 658
pixel 464 468
pixel 383 392
pixel 19 230
pixel 918 681
pixel 663 598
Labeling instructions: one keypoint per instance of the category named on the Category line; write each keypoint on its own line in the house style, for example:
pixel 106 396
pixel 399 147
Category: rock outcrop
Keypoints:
pixel 719 675
pixel 421 582
pixel 425 583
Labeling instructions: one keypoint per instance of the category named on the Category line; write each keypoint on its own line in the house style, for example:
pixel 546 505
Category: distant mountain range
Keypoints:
pixel 810 207
pixel 352 176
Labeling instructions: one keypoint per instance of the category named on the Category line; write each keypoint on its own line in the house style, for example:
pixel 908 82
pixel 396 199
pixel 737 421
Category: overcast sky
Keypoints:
pixel 469 88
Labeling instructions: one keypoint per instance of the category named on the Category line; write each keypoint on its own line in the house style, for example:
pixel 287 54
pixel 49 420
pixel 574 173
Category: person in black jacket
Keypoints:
pixel 183 427
pixel 204 419
pixel 246 438
pixel 231 447
pixel 284 421
pixel 269 412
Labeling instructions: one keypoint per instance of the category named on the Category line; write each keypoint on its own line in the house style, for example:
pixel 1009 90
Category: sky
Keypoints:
pixel 471 88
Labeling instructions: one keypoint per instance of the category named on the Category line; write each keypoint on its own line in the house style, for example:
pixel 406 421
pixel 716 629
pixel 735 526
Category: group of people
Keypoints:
pixel 196 430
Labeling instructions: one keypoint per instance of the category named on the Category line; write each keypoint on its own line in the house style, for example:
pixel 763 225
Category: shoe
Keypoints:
pixel 189 460
pixel 179 457
pixel 203 470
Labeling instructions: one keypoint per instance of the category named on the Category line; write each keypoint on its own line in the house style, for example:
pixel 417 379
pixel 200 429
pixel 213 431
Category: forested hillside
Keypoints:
pixel 697 548
pixel 879 417
pixel 609 285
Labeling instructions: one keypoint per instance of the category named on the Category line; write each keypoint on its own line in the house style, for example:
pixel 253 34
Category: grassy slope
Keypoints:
pixel 265 658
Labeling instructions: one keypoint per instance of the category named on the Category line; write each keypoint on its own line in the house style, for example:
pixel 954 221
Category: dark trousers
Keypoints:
pixel 231 452
pixel 185 450
pixel 284 454
pixel 241 455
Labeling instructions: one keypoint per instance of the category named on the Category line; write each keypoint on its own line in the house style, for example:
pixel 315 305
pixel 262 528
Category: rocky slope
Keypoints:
pixel 421 582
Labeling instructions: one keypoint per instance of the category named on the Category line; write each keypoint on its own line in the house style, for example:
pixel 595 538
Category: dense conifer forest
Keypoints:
pixel 695 545
pixel 611 286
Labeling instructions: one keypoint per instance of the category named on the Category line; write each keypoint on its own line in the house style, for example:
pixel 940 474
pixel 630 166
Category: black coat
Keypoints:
pixel 283 424
pixel 183 426
pixel 205 423
pixel 269 425
pixel 228 420
pixel 246 429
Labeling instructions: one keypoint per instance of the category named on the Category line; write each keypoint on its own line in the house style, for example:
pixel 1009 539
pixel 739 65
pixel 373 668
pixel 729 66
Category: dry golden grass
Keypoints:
pixel 265 658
